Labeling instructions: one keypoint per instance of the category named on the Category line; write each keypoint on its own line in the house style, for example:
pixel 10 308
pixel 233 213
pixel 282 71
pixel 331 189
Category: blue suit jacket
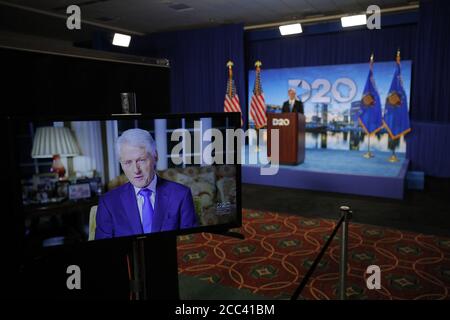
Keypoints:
pixel 118 213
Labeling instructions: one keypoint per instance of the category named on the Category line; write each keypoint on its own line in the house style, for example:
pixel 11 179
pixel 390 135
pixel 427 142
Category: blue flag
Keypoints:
pixel 370 113
pixel 396 118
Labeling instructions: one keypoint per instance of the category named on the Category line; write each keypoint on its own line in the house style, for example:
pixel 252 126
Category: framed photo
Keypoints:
pixel 46 177
pixel 45 181
pixel 95 183
pixel 62 189
pixel 79 191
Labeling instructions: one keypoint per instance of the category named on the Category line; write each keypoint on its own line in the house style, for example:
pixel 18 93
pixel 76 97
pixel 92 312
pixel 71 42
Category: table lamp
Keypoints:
pixel 55 142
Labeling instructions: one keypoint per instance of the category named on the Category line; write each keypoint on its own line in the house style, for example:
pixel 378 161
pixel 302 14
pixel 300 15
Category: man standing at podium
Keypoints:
pixel 292 105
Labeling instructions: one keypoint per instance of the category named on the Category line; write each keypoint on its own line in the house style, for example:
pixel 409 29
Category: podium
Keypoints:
pixel 291 128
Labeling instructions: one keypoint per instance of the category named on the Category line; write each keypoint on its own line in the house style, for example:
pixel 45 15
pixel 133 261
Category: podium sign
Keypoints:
pixel 291 128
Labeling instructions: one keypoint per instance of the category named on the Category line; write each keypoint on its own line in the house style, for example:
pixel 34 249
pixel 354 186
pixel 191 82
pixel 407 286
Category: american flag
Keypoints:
pixel 231 103
pixel 258 105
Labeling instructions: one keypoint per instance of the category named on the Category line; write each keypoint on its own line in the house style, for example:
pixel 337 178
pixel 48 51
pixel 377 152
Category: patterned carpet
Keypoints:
pixel 279 249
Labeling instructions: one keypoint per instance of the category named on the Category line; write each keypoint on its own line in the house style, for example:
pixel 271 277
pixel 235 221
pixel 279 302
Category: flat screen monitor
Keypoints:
pixel 125 176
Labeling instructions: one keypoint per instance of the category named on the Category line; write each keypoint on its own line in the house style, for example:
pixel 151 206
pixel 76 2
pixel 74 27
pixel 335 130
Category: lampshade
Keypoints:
pixel 50 141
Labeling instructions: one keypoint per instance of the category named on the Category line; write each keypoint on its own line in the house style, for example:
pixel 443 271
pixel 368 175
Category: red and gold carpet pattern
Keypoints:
pixel 278 250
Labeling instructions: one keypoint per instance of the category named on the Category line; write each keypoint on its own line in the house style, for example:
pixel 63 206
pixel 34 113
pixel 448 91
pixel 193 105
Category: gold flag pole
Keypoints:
pixel 368 154
pixel 257 148
pixel 258 65
pixel 393 158
pixel 230 76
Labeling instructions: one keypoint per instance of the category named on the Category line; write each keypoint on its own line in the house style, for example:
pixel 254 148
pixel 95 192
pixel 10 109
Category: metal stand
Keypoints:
pixel 346 214
pixel 155 269
pixel 368 154
pixel 257 148
pixel 138 282
pixel 154 266
pixel 393 157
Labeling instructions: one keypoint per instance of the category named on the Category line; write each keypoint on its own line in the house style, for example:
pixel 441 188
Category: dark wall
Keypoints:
pixel 198 61
pixel 38 84
pixel 46 84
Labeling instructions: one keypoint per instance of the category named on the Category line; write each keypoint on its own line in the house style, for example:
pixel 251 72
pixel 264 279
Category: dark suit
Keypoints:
pixel 118 213
pixel 298 107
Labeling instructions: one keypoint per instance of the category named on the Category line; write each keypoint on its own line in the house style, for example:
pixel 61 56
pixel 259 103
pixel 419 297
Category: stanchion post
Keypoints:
pixel 347 213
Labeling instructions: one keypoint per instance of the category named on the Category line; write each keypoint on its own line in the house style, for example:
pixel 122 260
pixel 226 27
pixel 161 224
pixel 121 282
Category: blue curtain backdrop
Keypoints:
pixel 430 91
pixel 429 148
pixel 334 48
pixel 428 144
pixel 198 64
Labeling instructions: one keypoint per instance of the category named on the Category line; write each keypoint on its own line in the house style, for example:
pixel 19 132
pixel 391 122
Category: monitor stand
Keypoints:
pixel 154 266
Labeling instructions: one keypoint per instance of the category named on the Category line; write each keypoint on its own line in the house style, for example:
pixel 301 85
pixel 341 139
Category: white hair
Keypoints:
pixel 292 89
pixel 137 138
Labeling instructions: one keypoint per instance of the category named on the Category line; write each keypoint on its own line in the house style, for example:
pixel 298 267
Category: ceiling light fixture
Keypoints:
pixel 290 29
pixel 121 40
pixel 356 20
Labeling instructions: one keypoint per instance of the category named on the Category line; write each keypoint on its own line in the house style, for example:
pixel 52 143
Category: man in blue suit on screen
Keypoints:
pixel 147 203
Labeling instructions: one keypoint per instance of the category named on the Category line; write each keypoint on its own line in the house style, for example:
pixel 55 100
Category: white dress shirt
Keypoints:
pixel 291 105
pixel 140 199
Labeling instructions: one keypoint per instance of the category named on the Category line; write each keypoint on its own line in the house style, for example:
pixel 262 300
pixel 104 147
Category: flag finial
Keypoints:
pixel 371 58
pixel 258 64
pixel 397 58
pixel 230 64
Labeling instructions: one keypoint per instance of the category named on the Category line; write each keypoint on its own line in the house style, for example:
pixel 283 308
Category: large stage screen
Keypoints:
pixel 331 96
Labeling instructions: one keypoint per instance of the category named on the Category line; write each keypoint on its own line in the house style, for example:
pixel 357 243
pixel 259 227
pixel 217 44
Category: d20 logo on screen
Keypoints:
pixel 280 122
pixel 74 280
pixel 74 20
pixel 374 280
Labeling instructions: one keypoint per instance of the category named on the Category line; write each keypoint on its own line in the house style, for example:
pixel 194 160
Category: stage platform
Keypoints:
pixel 340 171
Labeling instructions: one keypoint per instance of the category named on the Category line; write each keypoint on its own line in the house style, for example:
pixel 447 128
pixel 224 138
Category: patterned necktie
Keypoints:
pixel 147 210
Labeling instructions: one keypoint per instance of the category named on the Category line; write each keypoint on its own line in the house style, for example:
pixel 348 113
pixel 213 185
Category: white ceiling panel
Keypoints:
pixel 147 16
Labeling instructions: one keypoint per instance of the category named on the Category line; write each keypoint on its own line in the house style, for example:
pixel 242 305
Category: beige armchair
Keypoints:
pixel 92 223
